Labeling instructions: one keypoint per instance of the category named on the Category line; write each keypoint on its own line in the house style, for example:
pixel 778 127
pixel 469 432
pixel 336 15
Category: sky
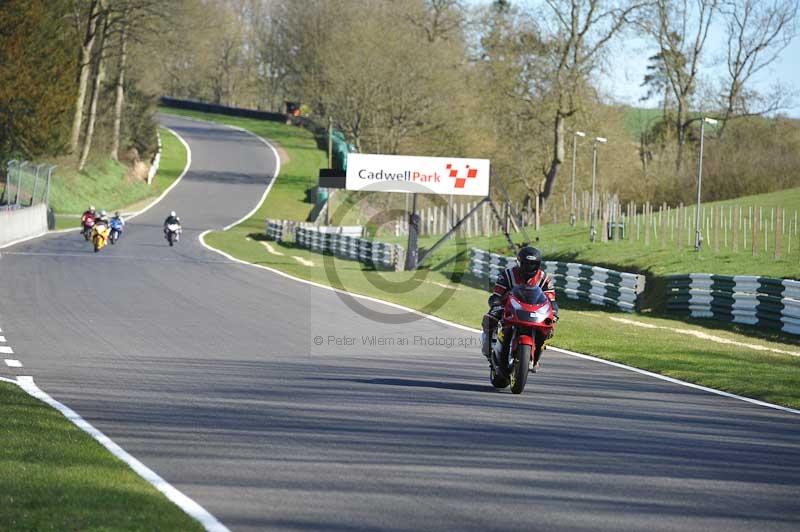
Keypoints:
pixel 628 64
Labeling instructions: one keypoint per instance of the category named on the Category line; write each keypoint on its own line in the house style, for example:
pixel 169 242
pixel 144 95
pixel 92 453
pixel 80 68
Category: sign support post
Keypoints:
pixel 413 235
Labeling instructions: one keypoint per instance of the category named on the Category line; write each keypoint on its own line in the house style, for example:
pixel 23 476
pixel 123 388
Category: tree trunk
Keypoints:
pixel 120 96
pixel 558 155
pixel 680 130
pixel 99 75
pixel 83 78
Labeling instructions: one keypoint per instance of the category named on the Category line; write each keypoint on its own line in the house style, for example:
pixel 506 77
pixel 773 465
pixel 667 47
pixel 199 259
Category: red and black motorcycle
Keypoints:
pixel 527 322
pixel 87 223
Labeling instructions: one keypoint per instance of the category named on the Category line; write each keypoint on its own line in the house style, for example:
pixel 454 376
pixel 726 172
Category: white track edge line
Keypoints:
pixel 10 381
pixel 477 331
pixel 272 181
pixel 186 504
pixel 201 238
pixel 259 137
pixel 21 240
pixel 174 183
pixel 676 381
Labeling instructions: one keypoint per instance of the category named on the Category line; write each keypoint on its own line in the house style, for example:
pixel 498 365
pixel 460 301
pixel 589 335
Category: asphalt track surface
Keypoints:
pixel 207 371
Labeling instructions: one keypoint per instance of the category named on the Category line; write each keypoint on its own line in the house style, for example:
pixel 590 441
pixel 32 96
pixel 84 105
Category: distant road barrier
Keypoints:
pixel 193 105
pixel 341 241
pixel 599 286
pixel 762 301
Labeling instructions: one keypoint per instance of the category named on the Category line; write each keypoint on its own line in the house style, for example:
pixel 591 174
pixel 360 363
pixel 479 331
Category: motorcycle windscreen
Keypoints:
pixel 530 295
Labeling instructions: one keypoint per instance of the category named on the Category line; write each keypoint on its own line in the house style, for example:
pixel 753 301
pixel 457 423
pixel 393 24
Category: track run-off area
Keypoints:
pixel 269 404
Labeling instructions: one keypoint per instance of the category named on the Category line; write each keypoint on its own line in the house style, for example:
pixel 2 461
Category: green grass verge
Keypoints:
pixel 56 477
pixel 301 161
pixel 173 161
pixel 571 244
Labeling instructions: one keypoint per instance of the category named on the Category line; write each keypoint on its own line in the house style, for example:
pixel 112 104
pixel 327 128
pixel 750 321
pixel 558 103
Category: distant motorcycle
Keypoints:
pixel 173 233
pixel 116 231
pixel 100 236
pixel 87 223
pixel 527 322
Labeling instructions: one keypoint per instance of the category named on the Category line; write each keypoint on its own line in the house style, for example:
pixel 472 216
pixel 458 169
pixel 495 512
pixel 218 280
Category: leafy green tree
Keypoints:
pixel 36 77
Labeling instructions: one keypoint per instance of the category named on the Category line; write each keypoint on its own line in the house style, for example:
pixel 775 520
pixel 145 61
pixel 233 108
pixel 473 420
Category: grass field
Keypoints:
pixel 127 196
pixel 672 351
pixel 56 477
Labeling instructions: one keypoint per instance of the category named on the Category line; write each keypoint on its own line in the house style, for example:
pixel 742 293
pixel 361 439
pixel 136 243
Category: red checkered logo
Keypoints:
pixel 462 181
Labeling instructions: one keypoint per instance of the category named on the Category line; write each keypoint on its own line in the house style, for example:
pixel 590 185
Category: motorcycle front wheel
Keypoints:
pixel 519 370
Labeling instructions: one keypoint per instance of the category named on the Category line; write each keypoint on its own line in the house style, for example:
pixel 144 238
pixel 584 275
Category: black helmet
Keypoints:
pixel 530 259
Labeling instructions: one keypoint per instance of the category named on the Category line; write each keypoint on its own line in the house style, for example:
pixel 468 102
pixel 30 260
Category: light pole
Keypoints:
pixel 698 233
pixel 574 151
pixel 592 230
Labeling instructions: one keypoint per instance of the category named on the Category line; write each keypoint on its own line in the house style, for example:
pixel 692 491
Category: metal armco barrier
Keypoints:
pixel 275 230
pixel 284 230
pixel 762 301
pixel 599 286
pixel 375 254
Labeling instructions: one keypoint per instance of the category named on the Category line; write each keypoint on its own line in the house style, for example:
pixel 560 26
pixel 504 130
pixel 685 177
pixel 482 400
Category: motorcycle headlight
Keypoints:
pixel 539 315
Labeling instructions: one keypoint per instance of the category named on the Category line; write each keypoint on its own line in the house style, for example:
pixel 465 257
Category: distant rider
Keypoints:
pixel 88 217
pixel 102 219
pixel 527 271
pixel 172 219
pixel 117 222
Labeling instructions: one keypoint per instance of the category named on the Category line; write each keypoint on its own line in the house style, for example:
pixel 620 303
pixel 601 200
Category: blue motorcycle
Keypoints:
pixel 116 230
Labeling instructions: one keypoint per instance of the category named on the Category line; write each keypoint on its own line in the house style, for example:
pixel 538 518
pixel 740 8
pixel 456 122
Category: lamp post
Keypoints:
pixel 698 233
pixel 592 230
pixel 572 196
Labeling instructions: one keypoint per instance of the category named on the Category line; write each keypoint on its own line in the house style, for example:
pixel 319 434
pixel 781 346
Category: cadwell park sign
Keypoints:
pixel 427 175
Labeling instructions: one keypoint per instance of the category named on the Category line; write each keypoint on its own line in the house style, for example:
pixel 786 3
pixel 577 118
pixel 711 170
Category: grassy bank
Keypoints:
pixel 105 186
pixel 671 350
pixel 56 477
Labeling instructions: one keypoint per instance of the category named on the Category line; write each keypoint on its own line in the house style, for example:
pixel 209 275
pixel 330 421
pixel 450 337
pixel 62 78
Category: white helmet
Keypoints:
pixel 102 212
pixel 172 213
pixel 91 208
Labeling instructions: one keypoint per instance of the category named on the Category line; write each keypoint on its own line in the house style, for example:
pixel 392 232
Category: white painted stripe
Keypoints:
pixel 271 183
pixel 186 504
pixel 11 363
pixel 201 238
pixel 6 350
pixel 477 331
pixel 271 249
pixel 12 381
pixel 676 381
pixel 21 240
pixel 175 183
pixel 303 261
pixel 2 339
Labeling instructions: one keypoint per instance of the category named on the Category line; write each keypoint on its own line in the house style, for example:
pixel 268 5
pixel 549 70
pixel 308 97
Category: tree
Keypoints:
pixel 36 77
pixel 680 32
pixel 757 31
pixel 98 76
pixel 86 15
pixel 580 30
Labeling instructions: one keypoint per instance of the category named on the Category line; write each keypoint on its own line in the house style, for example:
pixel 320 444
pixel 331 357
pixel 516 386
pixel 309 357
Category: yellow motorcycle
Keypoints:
pixel 100 234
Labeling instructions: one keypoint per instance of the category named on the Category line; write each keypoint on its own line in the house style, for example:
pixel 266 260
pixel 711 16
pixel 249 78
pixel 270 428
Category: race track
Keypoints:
pixel 208 372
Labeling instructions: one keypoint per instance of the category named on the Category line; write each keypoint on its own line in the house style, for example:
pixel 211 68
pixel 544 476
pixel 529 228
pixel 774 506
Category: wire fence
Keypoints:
pixel 24 184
